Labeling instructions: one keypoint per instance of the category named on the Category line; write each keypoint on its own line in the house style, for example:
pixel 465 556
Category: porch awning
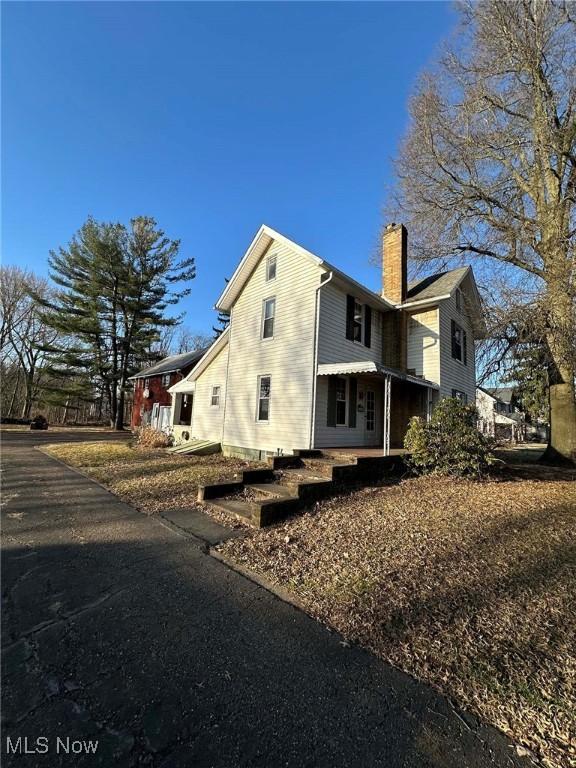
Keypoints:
pixel 372 368
pixel 183 387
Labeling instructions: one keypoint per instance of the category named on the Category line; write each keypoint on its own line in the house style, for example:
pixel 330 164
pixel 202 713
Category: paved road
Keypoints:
pixel 119 629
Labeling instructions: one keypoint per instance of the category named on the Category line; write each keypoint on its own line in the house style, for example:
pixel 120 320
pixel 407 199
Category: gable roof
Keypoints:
pixel 170 364
pixel 257 248
pixel 504 394
pixel 209 355
pixel 433 286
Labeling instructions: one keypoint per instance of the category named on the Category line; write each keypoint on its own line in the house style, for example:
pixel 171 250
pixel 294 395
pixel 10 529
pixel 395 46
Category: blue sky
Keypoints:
pixel 211 117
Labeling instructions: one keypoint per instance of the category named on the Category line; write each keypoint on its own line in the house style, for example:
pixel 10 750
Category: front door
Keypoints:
pixel 370 416
pixel 155 414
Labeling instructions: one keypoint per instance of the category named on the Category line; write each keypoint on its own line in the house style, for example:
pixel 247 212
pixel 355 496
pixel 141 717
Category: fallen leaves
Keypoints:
pixel 469 586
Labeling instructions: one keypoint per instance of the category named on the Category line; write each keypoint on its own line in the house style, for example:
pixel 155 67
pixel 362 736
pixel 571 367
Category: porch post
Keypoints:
pixel 386 414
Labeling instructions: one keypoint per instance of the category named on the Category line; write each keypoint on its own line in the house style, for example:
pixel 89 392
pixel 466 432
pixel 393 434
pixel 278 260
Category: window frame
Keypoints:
pixel 265 302
pixel 373 410
pixel 271 260
pixel 458 394
pixel 216 395
pixel 462 343
pixel 358 325
pixel 346 402
pixel 166 379
pixel 259 397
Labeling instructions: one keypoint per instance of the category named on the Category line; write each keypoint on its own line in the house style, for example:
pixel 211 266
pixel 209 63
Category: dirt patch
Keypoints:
pixel 469 586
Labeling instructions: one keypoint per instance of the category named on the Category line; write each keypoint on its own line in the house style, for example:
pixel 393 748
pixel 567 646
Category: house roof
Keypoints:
pixel 433 286
pixel 170 364
pixel 207 357
pixel 504 394
pixel 261 242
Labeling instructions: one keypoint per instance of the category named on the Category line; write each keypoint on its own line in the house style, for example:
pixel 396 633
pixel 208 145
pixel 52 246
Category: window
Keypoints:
pixel 341 404
pixel 458 343
pixel 264 398
pixel 271 268
pixel 166 380
pixel 357 322
pixel 458 299
pixel 146 383
pixel 358 317
pixel 186 410
pixel 462 396
pixel 269 312
pixel 370 410
pixel 215 400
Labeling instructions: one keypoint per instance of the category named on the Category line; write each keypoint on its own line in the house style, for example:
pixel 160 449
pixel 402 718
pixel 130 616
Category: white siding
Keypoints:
pixel 424 344
pixel 453 373
pixel 288 358
pixel 333 346
pixel 207 419
pixel 342 437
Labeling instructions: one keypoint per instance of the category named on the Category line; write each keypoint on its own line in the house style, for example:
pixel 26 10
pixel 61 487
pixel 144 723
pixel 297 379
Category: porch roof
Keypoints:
pixel 372 368
pixel 183 387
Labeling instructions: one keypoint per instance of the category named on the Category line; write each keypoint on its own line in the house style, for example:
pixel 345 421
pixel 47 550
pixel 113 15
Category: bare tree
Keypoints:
pixel 488 170
pixel 26 338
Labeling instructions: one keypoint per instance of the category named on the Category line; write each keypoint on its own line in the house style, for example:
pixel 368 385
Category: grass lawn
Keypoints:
pixel 470 586
pixel 151 480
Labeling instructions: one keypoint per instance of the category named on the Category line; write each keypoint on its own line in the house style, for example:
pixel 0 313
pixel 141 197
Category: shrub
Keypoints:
pixel 148 437
pixel 450 443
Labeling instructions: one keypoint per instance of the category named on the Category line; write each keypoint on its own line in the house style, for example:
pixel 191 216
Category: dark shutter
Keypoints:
pixel 367 325
pixel 464 346
pixel 350 317
pixel 453 337
pixel 331 416
pixel 353 393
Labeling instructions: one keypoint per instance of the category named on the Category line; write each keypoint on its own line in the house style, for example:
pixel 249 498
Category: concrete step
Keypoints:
pixel 233 506
pixel 270 489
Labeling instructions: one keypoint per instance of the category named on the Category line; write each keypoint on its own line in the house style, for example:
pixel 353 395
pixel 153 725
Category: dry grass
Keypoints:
pixel 150 480
pixel 469 586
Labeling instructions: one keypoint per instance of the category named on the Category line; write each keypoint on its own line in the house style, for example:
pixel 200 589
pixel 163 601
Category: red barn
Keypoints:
pixel 152 401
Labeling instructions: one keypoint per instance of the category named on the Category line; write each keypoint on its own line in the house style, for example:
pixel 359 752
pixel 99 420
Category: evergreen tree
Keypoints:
pixel 529 373
pixel 222 320
pixel 115 284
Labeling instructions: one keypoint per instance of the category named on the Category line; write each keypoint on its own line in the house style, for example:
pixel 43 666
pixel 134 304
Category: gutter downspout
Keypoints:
pixel 314 373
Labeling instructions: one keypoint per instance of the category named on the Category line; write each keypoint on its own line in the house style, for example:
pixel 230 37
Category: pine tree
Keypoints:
pixel 222 320
pixel 529 373
pixel 115 285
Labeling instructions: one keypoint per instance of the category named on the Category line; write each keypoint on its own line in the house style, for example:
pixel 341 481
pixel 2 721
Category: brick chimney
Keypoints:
pixel 395 263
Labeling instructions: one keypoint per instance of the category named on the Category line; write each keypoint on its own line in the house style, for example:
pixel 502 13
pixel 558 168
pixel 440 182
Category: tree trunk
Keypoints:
pixel 119 421
pixel 14 393
pixel 29 391
pixel 562 442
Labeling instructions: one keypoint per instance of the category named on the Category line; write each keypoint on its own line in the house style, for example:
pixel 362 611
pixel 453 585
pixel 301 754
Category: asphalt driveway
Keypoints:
pixel 120 630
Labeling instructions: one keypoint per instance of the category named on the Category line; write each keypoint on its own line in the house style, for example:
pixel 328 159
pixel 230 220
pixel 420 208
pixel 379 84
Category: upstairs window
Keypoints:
pixel 215 399
pixel 268 315
pixel 459 342
pixel 271 268
pixel 358 321
pixel 166 380
pixel 458 299
pixel 264 398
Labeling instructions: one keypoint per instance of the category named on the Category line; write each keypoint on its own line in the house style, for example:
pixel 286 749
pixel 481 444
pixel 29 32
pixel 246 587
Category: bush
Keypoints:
pixel 448 444
pixel 148 437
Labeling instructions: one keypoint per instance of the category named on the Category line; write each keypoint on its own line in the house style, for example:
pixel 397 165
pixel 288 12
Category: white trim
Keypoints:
pixel 258 398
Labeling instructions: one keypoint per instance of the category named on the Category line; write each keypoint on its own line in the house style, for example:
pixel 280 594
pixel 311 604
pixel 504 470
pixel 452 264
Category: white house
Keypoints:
pixel 313 359
pixel 497 416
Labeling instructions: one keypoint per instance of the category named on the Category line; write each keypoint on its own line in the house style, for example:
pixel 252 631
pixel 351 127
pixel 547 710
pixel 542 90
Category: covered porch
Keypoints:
pixel 364 408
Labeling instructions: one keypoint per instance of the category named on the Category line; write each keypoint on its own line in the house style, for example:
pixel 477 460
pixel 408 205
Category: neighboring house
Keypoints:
pixel 498 416
pixel 152 400
pixel 313 359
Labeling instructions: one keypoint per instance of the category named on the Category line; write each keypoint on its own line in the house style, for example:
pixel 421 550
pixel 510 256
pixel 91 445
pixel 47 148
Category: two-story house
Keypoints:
pixel 151 400
pixel 313 359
